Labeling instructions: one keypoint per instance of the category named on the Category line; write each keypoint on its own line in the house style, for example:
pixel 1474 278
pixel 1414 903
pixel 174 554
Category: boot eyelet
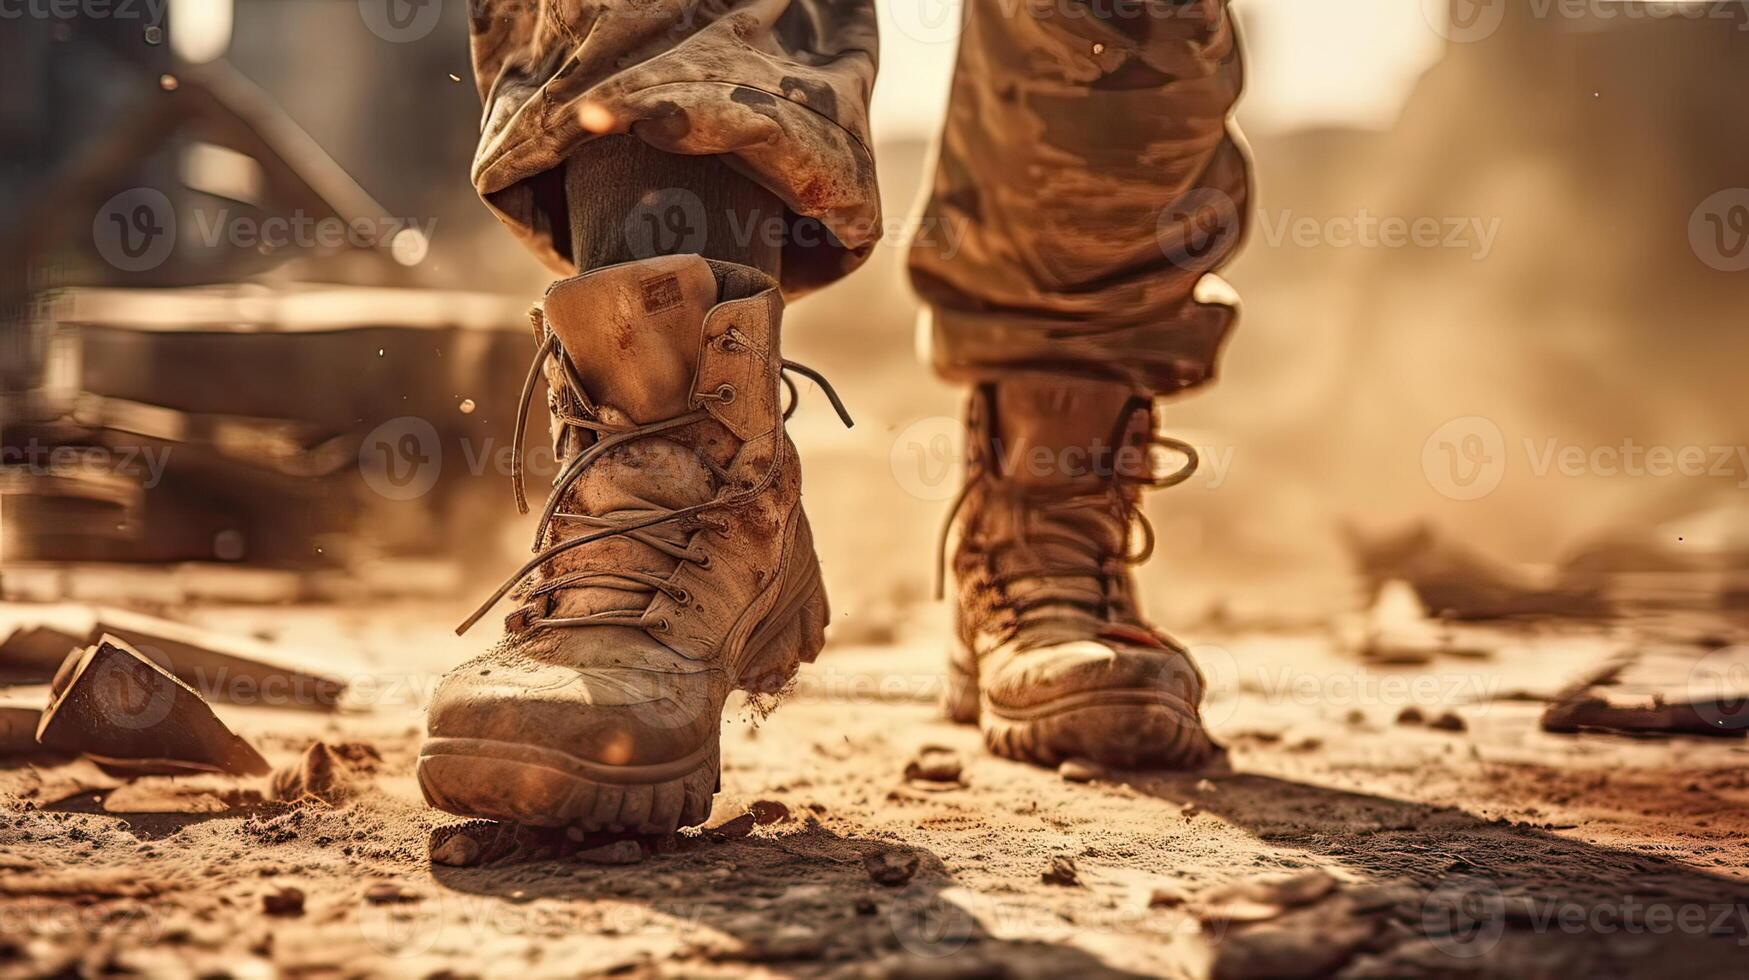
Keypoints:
pixel 682 596
pixel 725 393
pixel 703 560
pixel 660 625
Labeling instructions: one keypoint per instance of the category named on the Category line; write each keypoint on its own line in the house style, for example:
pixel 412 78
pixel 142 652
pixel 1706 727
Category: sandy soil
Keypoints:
pixel 1407 849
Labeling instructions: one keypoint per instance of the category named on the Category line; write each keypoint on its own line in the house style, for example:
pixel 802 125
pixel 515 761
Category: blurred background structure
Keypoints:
pixel 1494 294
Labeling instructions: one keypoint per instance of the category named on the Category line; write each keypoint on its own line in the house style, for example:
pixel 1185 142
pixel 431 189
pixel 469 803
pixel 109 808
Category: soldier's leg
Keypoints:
pixel 1089 184
pixel 649 146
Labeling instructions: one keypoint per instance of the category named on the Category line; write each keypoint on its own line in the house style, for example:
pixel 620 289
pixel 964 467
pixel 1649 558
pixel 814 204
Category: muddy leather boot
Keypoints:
pixel 673 561
pixel 1054 659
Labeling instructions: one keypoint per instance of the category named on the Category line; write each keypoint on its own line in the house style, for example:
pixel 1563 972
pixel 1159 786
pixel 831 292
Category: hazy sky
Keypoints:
pixel 1312 61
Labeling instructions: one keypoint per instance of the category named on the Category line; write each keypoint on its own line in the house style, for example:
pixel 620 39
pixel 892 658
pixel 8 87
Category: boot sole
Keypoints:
pixel 543 787
pixel 1126 729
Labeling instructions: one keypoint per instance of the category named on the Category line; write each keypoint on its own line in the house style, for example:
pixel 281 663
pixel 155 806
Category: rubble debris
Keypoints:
pixel 455 850
pixel 1260 899
pixel 1592 713
pixel 618 852
pixel 222 666
pixel 1456 582
pixel 769 812
pixel 127 713
pixel 1166 897
pixel 389 893
pixel 21 711
pixel 1411 716
pixel 34 648
pixel 732 829
pixel 935 764
pixel 1304 925
pixel 865 905
pixel 1081 771
pixel 1061 871
pixel 285 901
pixel 329 772
pixel 1448 721
pixel 892 867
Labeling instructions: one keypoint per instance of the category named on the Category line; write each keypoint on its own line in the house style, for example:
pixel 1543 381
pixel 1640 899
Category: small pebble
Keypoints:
pixel 1448 722
pixel 1062 871
pixel 1411 716
pixel 935 764
pixel 285 901
pixel 1081 770
pixel 769 811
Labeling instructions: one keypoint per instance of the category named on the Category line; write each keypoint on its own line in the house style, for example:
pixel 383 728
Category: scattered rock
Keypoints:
pixel 769 812
pixel 1062 871
pixel 286 901
pixel 935 764
pixel 1355 716
pixel 388 893
pixel 456 851
pixel 1261 899
pixel 733 829
pixel 890 867
pixel 1166 897
pixel 1081 770
pixel 1448 722
pixel 619 852
pixel 1206 786
pixel 127 713
pixel 865 906
pixel 1189 810
pixel 327 772
pixel 1411 716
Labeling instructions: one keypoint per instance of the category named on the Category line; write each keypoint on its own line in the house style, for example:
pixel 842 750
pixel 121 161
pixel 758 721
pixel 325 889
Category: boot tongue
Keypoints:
pixel 632 332
pixel 1049 430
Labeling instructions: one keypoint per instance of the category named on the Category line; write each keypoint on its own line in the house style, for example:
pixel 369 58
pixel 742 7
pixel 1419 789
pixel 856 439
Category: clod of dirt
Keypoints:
pixel 388 893
pixel 891 868
pixel 1062 871
pixel 327 772
pixel 935 764
pixel 1206 786
pixel 1081 770
pixel 618 852
pixel 285 901
pixel 1448 722
pixel 1355 716
pixel 865 906
pixel 733 829
pixel 769 812
pixel 1411 716
pixel 1189 810
pixel 1166 897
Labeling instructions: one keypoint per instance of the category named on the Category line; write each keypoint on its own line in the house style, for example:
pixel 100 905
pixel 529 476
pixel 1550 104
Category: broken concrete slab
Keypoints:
pixel 127 713
pixel 222 666
pixel 21 709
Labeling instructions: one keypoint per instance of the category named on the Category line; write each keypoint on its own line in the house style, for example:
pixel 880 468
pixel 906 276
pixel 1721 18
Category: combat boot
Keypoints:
pixel 1054 659
pixel 673 561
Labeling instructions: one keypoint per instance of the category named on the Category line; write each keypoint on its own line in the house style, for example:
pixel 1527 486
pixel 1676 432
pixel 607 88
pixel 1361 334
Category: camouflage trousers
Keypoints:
pixel 1089 177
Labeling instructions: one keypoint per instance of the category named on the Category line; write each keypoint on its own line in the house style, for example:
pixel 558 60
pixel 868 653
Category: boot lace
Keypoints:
pixel 1060 531
pixel 667 530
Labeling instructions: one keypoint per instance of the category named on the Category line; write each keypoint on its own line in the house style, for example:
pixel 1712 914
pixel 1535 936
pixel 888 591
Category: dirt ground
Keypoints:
pixel 1343 841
